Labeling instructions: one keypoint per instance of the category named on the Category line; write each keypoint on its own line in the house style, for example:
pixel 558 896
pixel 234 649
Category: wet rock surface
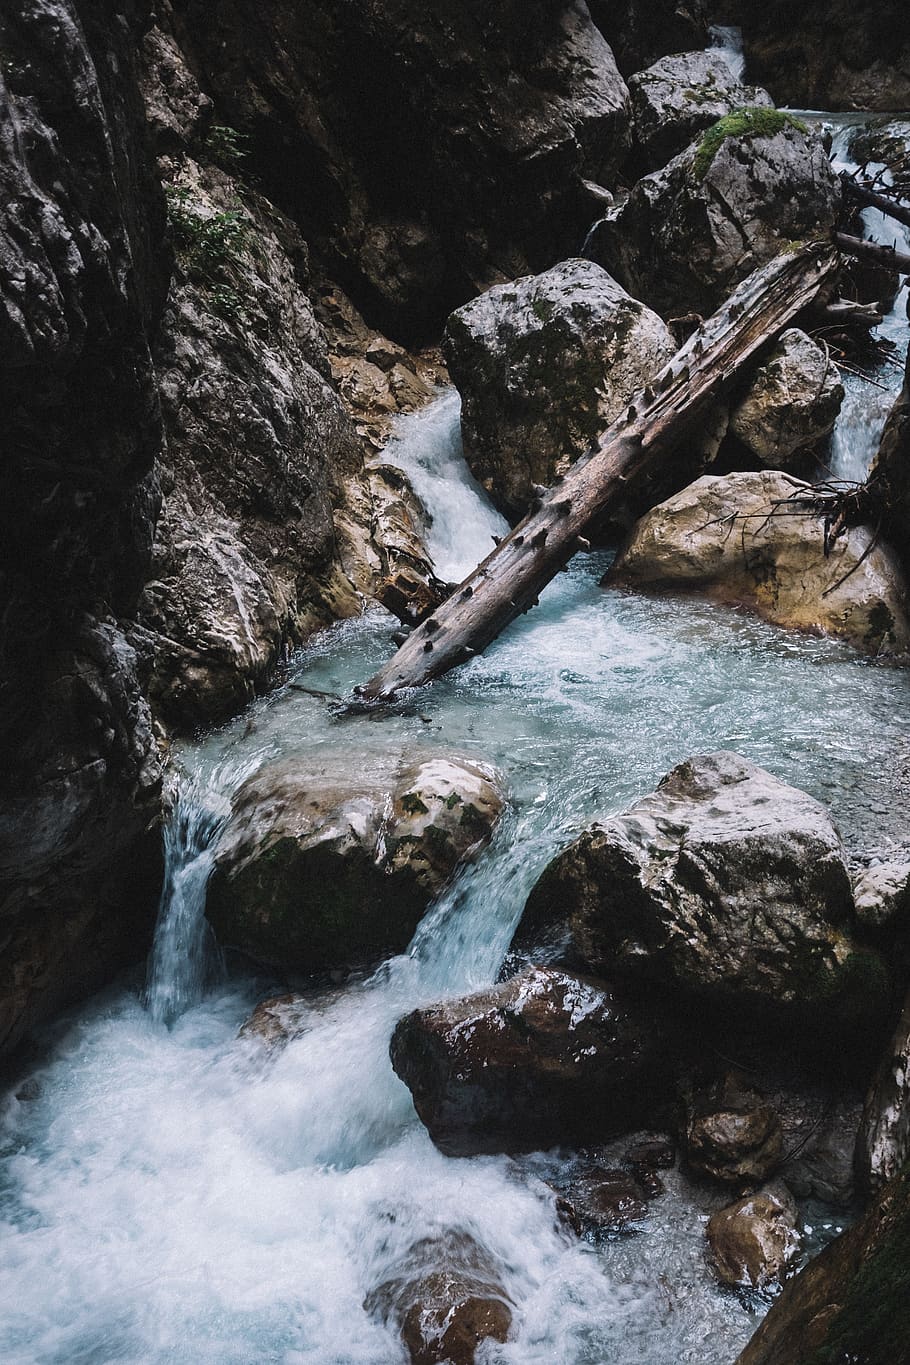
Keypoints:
pixel 733 1135
pixel 681 96
pixel 321 871
pixel 727 204
pixel 445 1297
pixel 544 364
pixel 735 538
pixel 728 886
pixel 753 1241
pixel 544 1058
pixel 603 1203
pixel 792 402
pixel 883 1142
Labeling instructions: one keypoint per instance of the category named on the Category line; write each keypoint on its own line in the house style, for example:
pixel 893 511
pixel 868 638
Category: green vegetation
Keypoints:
pixel 207 244
pixel 226 145
pixel 747 122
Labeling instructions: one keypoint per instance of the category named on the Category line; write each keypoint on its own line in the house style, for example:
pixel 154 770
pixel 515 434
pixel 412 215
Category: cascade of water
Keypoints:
pixel 728 40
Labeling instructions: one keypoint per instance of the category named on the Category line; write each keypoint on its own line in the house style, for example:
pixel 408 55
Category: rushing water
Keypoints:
pixel 171 1195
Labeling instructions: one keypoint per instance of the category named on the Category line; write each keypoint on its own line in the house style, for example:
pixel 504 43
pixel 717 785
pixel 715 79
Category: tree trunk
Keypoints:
pixel 865 194
pixel 887 256
pixel 510 579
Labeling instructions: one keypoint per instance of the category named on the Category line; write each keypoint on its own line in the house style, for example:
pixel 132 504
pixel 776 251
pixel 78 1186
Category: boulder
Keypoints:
pixel 792 402
pixel 544 1058
pixel 735 538
pixel 640 32
pixel 681 96
pixel 602 1203
pixel 543 365
pixel 889 477
pixel 733 1135
pixel 687 234
pixel 445 1296
pixel 275 1021
pixel 822 1164
pixel 850 1303
pixel 727 887
pixel 881 893
pixel 753 1241
pixel 322 871
pixel 883 1142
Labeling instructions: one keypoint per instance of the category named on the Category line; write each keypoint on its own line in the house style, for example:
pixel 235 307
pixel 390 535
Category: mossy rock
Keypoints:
pixel 749 122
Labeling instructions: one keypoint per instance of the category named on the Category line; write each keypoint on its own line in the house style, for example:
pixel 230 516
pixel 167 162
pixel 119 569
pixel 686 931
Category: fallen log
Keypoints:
pixel 865 194
pixel 509 581
pixel 887 256
pixel 845 311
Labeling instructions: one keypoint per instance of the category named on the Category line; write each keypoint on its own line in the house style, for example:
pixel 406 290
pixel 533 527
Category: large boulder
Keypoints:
pixel 679 97
pixel 323 871
pixel 850 1303
pixel 543 365
pixel 544 1058
pixel 792 402
pixel 686 235
pixel 753 1241
pixel 754 539
pixel 727 887
pixel 421 190
pixel 445 1296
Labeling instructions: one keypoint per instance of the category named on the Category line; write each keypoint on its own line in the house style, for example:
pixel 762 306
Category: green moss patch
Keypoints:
pixel 746 122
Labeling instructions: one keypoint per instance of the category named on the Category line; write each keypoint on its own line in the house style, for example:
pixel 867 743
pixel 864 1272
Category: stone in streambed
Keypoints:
pixel 445 1296
pixel 544 1058
pixel 728 888
pixel 602 1203
pixel 327 871
pixel 734 538
pixel 733 1135
pixel 753 1241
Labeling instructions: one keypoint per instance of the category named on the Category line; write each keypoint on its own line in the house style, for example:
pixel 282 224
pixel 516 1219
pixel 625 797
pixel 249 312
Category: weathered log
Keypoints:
pixel 843 312
pixel 887 256
pixel 865 194
pixel 509 581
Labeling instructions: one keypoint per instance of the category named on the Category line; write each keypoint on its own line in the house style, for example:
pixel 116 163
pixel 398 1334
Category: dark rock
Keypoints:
pixel 689 233
pixel 544 364
pixel 543 1058
pixel 445 1296
pixel 603 1203
pixel 850 1303
pixel 418 189
pixel 83 280
pixel 681 96
pixel 323 871
pixel 729 888
pixel 640 31
pixel 889 477
pixel 733 1135
pixel 883 1142
pixel 753 1241
pixel 822 1164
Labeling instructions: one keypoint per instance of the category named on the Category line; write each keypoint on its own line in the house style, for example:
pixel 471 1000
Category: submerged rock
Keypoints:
pixel 753 1241
pixel 735 538
pixel 681 96
pixel 322 872
pixel 275 1021
pixel 729 888
pixel 603 1203
pixel 733 1135
pixel 445 1296
pixel 792 402
pixel 543 365
pixel 687 234
pixel 541 1059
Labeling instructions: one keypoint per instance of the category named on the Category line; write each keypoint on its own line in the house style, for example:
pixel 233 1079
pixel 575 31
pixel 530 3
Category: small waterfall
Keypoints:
pixel 727 41
pixel 185 958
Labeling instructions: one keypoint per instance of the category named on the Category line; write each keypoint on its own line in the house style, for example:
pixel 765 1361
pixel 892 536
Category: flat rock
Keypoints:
pixel 732 537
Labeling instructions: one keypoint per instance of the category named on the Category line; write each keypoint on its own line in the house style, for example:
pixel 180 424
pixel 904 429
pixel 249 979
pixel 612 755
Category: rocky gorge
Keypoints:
pixel 556 1010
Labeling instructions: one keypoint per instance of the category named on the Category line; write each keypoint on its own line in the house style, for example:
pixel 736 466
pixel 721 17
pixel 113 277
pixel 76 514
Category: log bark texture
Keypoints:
pixel 509 581
pixel 887 256
pixel 865 194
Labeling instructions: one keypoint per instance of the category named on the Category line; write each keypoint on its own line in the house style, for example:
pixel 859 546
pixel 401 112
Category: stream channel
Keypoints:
pixel 169 1193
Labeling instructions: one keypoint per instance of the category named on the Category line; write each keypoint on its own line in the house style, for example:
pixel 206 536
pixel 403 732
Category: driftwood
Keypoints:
pixel 865 194
pixel 845 312
pixel 887 256
pixel 510 579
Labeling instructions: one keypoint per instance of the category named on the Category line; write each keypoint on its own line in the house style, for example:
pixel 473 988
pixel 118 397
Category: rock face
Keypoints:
pixel 753 1241
pixel 881 894
pixel 831 55
pixel 883 1142
pixel 729 888
pixel 727 204
pixel 543 365
pixel 445 1297
pixel 792 402
pixel 681 96
pixel 889 477
pixel 82 284
pixel 544 1058
pixel 327 871
pixel 850 1303
pixel 641 32
pixel 420 189
pixel 724 536
pixel 733 1135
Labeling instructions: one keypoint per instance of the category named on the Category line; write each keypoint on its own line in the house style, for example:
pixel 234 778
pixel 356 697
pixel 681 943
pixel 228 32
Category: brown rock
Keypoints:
pixel 753 1241
pixel 732 1135
pixel 603 1203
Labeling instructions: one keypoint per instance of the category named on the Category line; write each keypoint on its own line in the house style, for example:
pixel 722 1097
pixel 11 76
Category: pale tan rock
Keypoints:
pixel 729 537
pixel 753 1241
pixel 793 401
